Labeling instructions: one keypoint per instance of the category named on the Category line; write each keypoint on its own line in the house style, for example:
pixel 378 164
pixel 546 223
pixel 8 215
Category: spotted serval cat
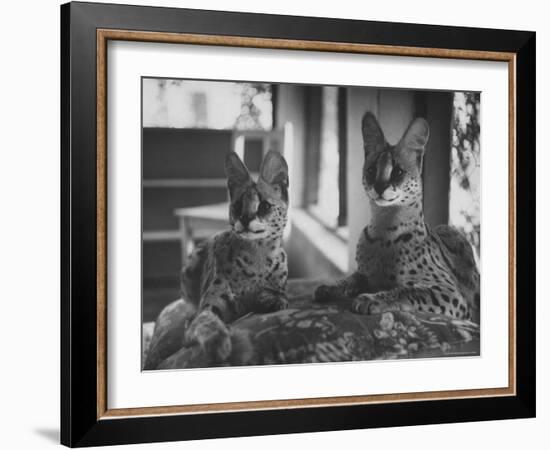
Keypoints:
pixel 402 264
pixel 243 269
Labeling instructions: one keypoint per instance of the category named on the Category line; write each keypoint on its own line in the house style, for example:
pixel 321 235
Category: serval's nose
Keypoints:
pixel 380 187
pixel 245 219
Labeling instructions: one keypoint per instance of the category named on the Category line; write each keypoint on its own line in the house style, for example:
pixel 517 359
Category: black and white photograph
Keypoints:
pixel 292 223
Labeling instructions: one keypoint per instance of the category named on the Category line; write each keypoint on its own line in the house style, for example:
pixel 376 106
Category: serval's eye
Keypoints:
pixel 264 208
pixel 237 207
pixel 397 172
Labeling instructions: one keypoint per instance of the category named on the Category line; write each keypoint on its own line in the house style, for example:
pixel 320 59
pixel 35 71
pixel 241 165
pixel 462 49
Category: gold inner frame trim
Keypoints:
pixel 103 36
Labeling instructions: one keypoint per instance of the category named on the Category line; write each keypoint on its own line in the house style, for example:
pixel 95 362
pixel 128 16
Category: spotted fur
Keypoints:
pixel 402 264
pixel 243 269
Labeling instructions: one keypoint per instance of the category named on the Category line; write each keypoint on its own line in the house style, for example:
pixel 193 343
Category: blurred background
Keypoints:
pixel 189 126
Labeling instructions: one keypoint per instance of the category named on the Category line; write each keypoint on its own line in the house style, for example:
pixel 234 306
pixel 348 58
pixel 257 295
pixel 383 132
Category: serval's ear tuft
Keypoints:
pixel 373 136
pixel 236 171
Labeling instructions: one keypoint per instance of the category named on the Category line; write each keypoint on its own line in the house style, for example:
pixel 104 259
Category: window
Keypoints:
pixel 171 103
pixel 464 194
pixel 327 201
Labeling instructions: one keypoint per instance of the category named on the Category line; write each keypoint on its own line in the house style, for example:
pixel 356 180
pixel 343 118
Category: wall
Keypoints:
pixel 30 250
pixel 305 260
pixel 171 154
pixel 437 156
pixel 291 108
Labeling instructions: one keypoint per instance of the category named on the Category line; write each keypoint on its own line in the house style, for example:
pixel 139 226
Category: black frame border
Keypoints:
pixel 79 423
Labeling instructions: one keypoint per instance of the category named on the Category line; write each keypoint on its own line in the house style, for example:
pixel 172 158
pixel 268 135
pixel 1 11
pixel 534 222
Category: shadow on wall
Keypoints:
pixel 306 260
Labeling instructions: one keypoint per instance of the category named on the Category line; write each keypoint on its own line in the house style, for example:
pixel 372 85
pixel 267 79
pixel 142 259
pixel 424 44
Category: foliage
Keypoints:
pixel 254 97
pixel 465 166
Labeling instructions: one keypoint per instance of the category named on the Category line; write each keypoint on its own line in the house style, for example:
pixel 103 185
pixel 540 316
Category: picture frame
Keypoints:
pixel 86 418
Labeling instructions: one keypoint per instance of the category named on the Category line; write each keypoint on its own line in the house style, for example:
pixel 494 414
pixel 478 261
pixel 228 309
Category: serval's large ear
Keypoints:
pixel 373 136
pixel 237 173
pixel 274 173
pixel 414 140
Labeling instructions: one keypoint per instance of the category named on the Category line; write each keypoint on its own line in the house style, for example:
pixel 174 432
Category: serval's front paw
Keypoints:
pixel 378 303
pixel 328 293
pixel 368 304
pixel 281 303
pixel 351 290
pixel 268 301
pixel 209 331
pixel 274 304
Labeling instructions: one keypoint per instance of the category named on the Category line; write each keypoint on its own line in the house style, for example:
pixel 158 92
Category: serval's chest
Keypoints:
pixel 248 270
pixel 398 259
